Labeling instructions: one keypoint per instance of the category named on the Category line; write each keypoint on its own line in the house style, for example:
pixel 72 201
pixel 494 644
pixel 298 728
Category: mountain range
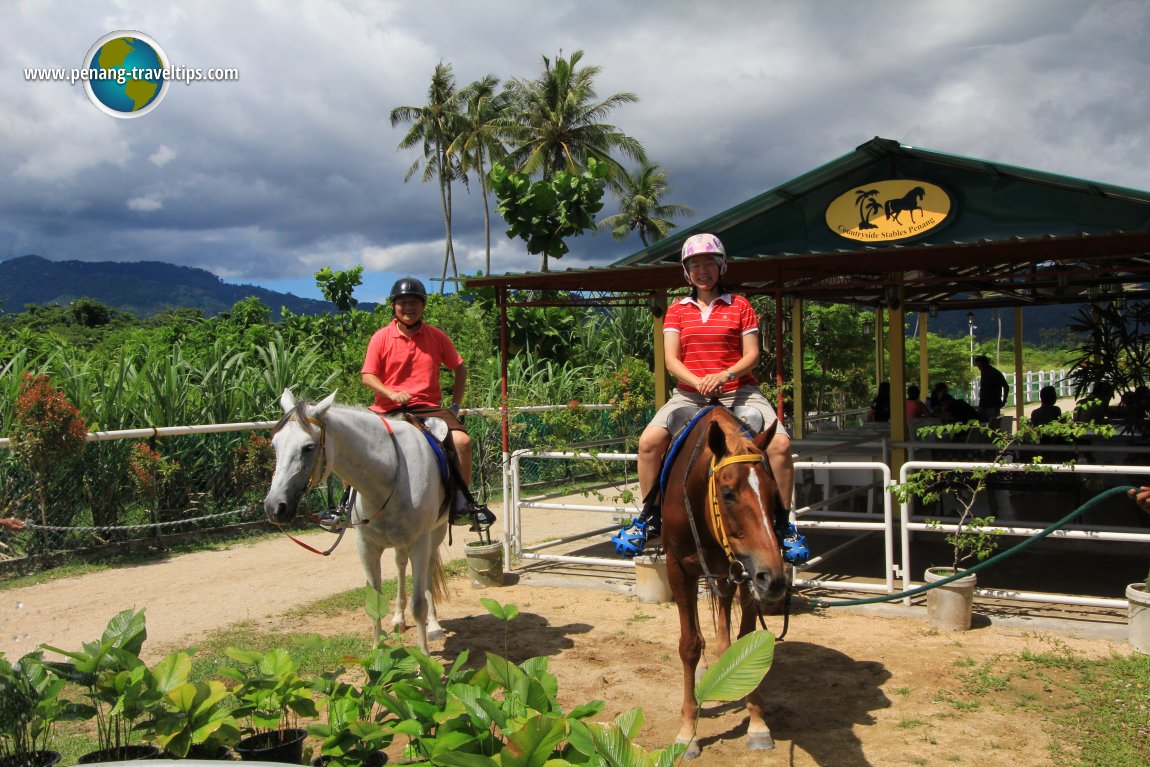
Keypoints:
pixel 143 288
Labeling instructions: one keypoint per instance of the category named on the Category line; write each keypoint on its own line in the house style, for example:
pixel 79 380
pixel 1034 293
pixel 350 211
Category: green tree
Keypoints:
pixel 433 127
pixel 559 122
pixel 478 142
pixel 546 212
pixel 338 287
pixel 640 194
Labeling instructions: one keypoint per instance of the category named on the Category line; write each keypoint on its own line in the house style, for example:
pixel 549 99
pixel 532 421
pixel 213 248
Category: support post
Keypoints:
pixel 797 368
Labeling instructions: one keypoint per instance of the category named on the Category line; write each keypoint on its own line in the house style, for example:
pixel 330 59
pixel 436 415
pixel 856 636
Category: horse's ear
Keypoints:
pixel 717 441
pixel 763 438
pixel 324 404
pixel 287 400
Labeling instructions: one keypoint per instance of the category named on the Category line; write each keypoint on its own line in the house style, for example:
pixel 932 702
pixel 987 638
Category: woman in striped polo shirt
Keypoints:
pixel 711 340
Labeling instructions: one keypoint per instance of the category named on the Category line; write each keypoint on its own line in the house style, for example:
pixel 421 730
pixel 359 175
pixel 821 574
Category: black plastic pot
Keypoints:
pixel 121 754
pixel 277 746
pixel 31 759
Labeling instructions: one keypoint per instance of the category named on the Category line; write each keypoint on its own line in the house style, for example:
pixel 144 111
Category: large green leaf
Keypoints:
pixel 740 669
pixel 534 743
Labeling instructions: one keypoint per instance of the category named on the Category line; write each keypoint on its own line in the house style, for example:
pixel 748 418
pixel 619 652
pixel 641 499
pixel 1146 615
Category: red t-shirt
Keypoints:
pixel 411 364
pixel 712 341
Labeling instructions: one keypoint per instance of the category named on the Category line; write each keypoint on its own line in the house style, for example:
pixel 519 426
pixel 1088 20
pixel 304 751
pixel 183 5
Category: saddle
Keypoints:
pixel 438 435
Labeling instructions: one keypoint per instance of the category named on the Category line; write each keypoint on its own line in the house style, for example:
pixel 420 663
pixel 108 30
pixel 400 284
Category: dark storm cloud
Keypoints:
pixel 295 166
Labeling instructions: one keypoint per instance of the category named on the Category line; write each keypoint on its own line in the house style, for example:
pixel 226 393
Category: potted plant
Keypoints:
pixel 192 718
pixel 272 696
pixel 352 735
pixel 31 707
pixel 119 686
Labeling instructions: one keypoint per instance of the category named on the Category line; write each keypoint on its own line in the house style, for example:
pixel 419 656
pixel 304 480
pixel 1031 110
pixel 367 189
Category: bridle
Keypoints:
pixel 715 515
pixel 321 469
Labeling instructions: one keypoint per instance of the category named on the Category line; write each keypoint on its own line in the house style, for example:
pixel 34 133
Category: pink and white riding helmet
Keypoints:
pixel 703 245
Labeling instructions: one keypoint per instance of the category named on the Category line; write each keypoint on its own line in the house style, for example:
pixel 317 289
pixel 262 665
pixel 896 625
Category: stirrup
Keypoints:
pixel 481 518
pixel 630 540
pixel 795 549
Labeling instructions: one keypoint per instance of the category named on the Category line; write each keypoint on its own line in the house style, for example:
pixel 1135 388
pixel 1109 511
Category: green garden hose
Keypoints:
pixel 1104 495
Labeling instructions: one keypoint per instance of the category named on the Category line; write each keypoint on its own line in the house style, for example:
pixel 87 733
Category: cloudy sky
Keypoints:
pixel 294 166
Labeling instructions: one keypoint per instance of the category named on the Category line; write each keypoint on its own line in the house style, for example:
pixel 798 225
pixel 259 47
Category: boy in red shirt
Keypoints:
pixel 402 368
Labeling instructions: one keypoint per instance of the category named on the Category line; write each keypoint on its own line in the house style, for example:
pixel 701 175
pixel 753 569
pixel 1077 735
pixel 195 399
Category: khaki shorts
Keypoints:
pixel 670 418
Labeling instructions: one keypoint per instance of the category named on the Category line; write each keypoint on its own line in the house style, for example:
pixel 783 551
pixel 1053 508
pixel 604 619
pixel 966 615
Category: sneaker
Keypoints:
pixel 795 549
pixel 630 540
pixel 329 518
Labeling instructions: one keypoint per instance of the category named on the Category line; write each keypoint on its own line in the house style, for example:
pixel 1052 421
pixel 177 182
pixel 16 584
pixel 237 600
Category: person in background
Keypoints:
pixel 914 406
pixel 992 390
pixel 1095 407
pixel 9 523
pixel 402 368
pixel 1048 411
pixel 880 406
pixel 934 401
pixel 956 410
pixel 1141 496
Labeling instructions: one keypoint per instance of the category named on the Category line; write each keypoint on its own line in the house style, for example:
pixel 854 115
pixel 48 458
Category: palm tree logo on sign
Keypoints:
pixel 889 211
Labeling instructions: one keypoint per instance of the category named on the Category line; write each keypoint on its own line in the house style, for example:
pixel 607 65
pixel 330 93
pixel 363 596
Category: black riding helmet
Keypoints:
pixel 408 286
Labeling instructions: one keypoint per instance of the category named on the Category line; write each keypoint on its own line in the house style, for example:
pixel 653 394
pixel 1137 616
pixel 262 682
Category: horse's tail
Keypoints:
pixel 886 206
pixel 439 590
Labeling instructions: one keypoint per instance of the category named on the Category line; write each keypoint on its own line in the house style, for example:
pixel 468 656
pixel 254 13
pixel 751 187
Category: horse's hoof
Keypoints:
pixel 436 635
pixel 761 741
pixel 693 751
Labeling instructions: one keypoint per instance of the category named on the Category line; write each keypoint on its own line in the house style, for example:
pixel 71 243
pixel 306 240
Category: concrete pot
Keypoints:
pixel 484 564
pixel 651 584
pixel 948 607
pixel 1138 623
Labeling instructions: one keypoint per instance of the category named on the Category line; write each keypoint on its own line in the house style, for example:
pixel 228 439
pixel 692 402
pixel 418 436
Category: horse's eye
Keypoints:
pixel 307 448
pixel 728 495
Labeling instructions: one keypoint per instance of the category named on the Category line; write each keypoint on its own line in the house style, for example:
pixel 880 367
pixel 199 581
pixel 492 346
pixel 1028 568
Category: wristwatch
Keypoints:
pixel 454 408
pixel 730 375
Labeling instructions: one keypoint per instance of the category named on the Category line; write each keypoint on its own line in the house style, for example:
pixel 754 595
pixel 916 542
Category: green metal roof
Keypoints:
pixel 1015 235
pixel 994 201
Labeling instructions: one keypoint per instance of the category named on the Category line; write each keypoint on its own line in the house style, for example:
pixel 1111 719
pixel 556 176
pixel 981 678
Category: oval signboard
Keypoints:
pixel 888 211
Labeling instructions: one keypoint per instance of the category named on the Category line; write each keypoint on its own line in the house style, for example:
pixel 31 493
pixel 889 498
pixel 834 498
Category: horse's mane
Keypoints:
pixel 299 413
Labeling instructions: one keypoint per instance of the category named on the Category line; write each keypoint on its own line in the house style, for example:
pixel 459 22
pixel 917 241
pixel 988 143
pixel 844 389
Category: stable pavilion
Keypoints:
pixel 895 229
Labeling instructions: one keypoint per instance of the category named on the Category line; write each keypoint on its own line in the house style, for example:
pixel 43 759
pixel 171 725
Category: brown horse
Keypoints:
pixel 719 523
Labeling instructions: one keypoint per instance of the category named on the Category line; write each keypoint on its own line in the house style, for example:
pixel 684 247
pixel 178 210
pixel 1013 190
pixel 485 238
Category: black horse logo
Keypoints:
pixel 909 201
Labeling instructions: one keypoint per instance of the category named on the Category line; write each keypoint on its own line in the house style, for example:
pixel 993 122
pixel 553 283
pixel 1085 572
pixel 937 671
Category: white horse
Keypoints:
pixel 401 499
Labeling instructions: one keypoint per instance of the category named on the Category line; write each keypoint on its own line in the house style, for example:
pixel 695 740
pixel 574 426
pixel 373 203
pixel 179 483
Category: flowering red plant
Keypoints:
pixel 46 427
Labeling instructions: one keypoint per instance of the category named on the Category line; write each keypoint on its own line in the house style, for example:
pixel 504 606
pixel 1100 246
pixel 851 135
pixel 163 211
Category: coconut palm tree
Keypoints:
pixel 868 207
pixel 433 128
pixel 478 144
pixel 639 193
pixel 559 125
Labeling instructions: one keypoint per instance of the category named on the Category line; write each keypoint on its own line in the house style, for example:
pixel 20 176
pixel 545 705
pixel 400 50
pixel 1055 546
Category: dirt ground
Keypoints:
pixel 850 687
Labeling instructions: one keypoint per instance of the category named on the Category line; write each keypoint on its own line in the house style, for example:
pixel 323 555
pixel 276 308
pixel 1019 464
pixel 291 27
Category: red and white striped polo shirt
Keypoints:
pixel 711 340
